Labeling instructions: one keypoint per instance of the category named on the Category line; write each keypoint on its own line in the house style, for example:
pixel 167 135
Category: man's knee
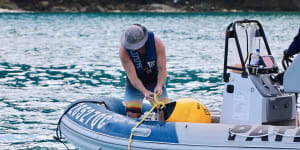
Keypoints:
pixel 133 108
pixel 133 115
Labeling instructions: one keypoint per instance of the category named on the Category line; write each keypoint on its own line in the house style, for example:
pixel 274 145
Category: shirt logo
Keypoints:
pixel 151 64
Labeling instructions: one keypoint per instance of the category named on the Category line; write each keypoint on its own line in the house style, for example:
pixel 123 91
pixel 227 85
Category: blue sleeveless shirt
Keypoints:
pixel 146 68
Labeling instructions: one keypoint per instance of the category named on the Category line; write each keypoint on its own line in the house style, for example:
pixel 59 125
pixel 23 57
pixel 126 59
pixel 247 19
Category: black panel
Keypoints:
pixel 230 89
pixel 168 109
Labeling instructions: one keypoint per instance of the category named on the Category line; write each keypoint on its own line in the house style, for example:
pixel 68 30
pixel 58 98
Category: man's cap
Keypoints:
pixel 134 37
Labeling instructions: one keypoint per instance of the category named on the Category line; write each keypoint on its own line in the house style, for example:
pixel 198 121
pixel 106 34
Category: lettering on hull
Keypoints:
pixel 249 133
pixel 89 116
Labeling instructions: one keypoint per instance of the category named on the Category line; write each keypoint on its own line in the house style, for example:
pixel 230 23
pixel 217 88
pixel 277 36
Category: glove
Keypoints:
pixel 285 56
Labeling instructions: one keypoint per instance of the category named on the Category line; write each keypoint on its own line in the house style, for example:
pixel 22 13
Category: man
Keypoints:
pixel 143 57
pixel 294 47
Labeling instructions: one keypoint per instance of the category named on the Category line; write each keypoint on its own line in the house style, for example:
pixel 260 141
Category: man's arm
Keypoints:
pixel 161 64
pixel 131 73
pixel 294 48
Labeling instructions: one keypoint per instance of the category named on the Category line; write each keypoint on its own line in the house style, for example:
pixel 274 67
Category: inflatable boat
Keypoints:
pixel 257 112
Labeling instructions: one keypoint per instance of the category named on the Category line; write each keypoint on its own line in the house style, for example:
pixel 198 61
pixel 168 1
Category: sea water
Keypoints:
pixel 48 60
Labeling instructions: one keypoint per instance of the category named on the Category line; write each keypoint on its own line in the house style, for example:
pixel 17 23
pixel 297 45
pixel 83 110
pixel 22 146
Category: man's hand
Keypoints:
pixel 158 90
pixel 148 95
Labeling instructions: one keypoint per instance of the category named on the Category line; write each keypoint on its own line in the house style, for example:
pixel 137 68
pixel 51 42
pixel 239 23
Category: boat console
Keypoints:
pixel 250 95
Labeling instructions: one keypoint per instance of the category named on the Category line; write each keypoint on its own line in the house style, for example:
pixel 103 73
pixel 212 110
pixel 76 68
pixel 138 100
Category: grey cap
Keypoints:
pixel 134 37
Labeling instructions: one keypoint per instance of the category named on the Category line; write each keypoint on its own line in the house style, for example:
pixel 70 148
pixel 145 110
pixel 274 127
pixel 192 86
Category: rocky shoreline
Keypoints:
pixel 147 5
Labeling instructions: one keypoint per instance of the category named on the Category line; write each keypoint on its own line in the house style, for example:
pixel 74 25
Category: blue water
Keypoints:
pixel 49 60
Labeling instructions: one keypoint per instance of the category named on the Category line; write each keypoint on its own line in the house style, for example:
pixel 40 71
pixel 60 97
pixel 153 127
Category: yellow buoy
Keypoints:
pixel 189 110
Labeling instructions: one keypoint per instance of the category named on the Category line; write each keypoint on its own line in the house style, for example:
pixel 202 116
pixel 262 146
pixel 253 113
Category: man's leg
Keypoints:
pixel 133 115
pixel 133 108
pixel 163 98
pixel 133 101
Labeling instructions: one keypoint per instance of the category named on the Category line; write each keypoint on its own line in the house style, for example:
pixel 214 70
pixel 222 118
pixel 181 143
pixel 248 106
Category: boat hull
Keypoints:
pixel 89 125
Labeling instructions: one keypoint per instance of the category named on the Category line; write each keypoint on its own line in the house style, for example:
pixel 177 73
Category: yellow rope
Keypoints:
pixel 157 103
